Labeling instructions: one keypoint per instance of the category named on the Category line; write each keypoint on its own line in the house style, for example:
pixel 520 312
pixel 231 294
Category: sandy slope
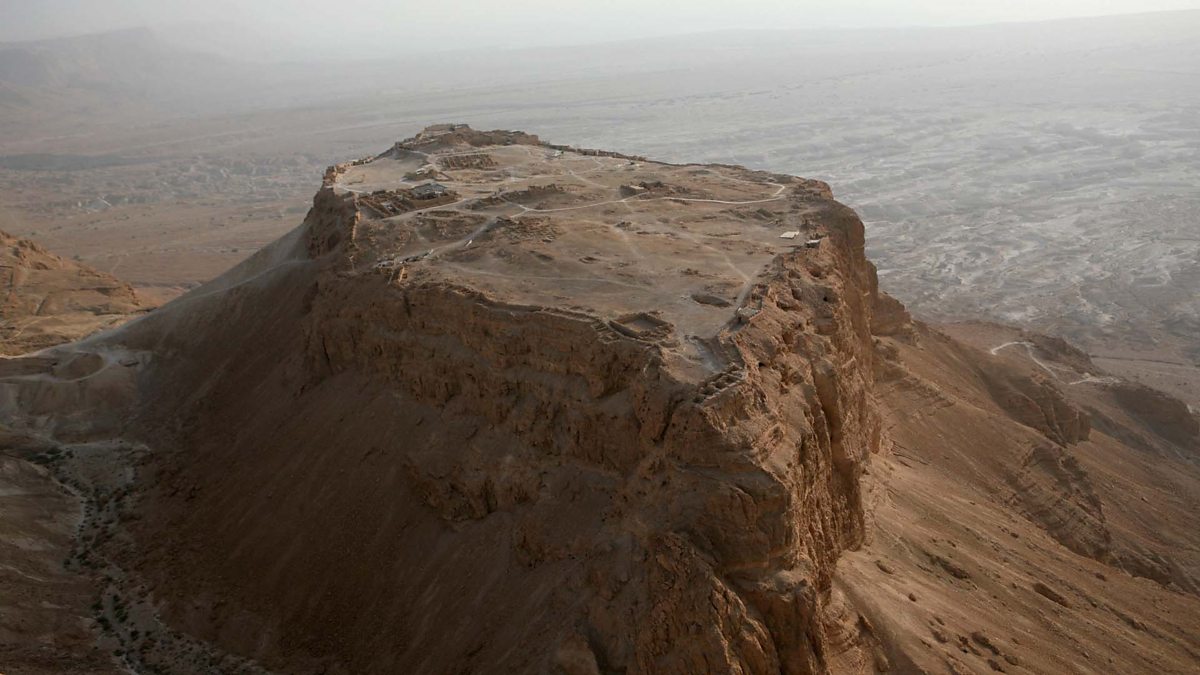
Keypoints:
pixel 997 546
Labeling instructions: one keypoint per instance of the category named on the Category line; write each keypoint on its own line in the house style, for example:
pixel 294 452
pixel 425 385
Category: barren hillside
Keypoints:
pixel 503 406
pixel 49 300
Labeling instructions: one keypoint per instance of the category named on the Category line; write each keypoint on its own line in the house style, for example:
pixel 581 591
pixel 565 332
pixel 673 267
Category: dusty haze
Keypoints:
pixel 309 29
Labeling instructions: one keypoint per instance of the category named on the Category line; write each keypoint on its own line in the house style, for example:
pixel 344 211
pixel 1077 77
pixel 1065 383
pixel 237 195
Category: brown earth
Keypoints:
pixel 46 626
pixel 49 300
pixel 587 429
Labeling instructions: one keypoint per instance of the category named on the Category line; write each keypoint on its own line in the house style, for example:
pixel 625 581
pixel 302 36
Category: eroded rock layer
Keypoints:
pixel 49 300
pixel 644 500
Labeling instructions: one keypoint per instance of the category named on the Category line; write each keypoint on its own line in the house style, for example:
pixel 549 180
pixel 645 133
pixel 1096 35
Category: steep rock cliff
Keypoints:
pixel 696 516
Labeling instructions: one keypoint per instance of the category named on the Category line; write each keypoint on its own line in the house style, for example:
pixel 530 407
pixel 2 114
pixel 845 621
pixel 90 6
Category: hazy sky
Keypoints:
pixel 378 26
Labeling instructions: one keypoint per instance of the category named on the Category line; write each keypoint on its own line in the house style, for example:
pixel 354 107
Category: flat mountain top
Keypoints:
pixel 667 252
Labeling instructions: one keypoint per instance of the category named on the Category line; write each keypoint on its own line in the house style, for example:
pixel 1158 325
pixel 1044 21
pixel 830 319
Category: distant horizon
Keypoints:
pixel 244 36
pixel 169 31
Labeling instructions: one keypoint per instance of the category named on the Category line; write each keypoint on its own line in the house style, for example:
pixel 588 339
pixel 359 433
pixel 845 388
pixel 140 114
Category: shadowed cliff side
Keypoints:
pixel 607 505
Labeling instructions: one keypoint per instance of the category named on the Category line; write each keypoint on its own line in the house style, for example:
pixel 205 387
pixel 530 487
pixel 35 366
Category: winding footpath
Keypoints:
pixel 1049 368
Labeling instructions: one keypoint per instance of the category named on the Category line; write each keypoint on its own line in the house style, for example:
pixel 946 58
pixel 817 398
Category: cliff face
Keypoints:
pixel 590 429
pixel 695 515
